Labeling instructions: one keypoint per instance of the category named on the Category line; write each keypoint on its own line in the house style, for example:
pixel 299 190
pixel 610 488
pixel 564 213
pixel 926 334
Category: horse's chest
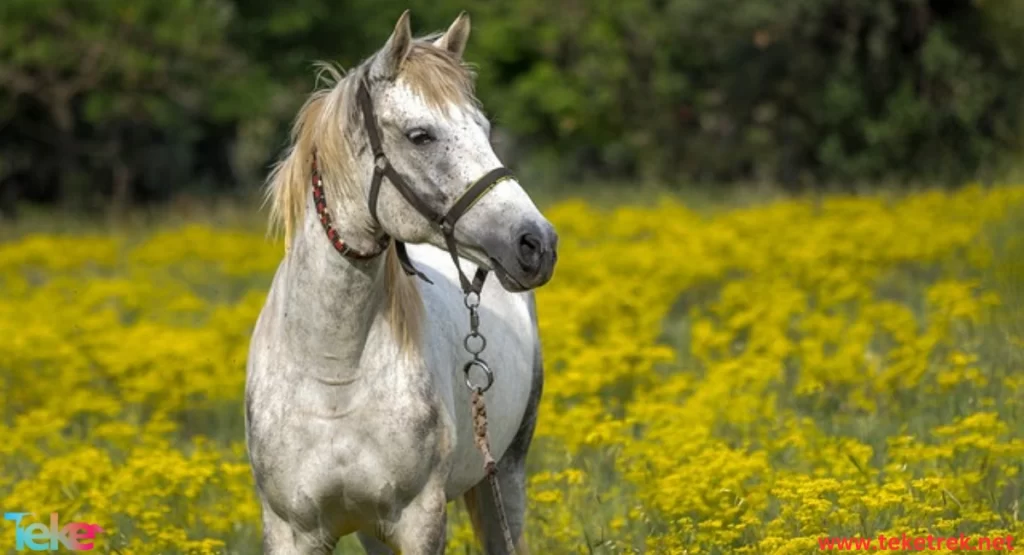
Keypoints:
pixel 381 454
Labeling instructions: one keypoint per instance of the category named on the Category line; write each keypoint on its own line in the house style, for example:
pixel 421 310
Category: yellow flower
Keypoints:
pixel 744 380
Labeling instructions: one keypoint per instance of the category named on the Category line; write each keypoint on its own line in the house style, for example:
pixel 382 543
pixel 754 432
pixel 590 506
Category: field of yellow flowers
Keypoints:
pixel 734 380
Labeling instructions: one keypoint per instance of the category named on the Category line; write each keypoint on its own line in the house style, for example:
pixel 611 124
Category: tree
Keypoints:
pixel 93 85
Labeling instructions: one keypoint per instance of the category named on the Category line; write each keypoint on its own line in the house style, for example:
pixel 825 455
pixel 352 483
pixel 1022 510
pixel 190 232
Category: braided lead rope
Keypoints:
pixel 490 467
pixel 475 343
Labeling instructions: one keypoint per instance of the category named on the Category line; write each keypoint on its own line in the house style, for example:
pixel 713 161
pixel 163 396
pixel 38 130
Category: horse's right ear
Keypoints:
pixel 395 50
pixel 455 39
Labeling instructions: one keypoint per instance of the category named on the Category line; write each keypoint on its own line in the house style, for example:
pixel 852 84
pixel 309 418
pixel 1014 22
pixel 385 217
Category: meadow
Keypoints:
pixel 733 379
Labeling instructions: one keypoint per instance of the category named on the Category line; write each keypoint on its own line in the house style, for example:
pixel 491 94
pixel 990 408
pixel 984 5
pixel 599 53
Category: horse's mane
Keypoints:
pixel 330 121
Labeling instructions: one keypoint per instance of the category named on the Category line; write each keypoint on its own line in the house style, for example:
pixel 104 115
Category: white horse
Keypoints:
pixel 357 407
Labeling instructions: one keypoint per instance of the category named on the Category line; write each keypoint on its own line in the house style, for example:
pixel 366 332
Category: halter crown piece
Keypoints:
pixel 442 222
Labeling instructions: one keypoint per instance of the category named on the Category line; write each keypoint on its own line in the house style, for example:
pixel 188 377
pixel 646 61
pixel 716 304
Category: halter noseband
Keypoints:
pixel 444 223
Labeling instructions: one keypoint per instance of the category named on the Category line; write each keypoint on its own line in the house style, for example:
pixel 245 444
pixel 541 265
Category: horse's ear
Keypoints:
pixel 455 38
pixel 395 50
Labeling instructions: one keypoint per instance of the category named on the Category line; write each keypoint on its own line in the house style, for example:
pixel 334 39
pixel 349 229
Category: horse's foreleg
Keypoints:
pixel 421 530
pixel 372 545
pixel 281 537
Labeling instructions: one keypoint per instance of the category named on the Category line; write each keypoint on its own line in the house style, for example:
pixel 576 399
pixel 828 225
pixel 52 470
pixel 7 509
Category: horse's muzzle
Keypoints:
pixel 529 261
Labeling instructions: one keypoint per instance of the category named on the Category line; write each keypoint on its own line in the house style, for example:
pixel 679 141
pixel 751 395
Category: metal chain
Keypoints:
pixel 475 343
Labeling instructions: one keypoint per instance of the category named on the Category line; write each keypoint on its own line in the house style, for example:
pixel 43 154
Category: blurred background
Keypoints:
pixel 111 104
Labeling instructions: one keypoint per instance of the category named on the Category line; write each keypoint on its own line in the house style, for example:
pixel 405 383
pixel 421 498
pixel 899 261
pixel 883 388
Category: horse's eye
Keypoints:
pixel 419 137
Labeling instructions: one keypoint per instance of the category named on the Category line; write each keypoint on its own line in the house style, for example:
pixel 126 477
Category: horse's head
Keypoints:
pixel 436 139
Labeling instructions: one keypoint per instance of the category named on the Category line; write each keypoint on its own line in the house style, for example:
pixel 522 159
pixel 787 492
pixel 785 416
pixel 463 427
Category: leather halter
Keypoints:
pixel 444 223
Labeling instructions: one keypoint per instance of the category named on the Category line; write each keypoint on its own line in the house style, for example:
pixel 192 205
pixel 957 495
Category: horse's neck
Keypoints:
pixel 330 302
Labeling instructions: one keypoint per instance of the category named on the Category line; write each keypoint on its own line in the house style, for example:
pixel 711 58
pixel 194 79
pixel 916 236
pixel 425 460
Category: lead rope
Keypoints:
pixel 475 343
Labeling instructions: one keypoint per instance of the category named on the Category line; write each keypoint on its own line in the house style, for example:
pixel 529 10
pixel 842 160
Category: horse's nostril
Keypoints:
pixel 529 244
pixel 529 252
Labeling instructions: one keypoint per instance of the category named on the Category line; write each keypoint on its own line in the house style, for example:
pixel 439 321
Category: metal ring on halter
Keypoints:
pixel 483 367
pixel 474 335
pixel 476 300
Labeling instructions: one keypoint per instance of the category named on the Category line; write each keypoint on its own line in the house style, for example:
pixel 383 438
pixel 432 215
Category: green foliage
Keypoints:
pixel 804 92
pixel 90 85
pixel 744 89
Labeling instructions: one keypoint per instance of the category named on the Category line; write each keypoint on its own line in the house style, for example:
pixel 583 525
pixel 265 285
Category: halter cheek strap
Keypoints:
pixel 443 223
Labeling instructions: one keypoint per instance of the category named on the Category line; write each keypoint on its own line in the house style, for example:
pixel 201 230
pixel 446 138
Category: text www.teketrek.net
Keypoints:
pixel 918 543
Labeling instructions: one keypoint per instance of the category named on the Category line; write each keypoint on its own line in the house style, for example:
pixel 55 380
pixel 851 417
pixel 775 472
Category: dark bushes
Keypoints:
pixel 138 99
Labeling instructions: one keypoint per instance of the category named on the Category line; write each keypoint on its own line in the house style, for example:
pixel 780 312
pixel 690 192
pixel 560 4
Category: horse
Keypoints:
pixel 358 415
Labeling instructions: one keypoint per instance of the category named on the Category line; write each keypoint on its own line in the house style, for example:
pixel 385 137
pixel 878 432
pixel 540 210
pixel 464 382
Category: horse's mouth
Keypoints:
pixel 506 279
pixel 509 280
pixel 482 258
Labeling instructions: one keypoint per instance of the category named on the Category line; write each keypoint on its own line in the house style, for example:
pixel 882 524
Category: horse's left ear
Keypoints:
pixel 455 38
pixel 395 50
